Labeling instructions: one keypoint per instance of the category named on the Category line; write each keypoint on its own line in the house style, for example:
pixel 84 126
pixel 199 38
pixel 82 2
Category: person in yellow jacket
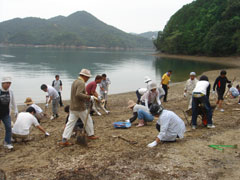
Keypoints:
pixel 165 83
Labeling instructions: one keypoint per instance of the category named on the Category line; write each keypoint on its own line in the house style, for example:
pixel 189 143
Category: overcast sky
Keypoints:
pixel 128 15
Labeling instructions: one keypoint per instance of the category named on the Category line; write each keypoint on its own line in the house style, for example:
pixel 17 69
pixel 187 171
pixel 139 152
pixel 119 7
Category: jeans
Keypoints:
pixel 205 102
pixel 165 87
pixel 8 129
pixel 145 116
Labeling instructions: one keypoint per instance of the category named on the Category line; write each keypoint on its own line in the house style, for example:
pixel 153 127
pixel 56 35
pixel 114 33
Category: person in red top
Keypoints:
pixel 92 86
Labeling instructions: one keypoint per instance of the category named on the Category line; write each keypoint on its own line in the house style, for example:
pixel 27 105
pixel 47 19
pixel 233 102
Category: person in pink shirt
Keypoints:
pixel 92 86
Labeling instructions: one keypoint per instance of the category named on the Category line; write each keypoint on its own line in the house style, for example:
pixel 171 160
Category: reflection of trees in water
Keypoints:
pixel 181 68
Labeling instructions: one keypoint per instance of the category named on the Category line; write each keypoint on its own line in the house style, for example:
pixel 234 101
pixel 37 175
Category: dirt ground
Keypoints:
pixel 113 158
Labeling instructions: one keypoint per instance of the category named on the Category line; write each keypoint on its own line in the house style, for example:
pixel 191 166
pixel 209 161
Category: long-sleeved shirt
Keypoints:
pixel 150 97
pixel 135 111
pixel 171 126
pixel 104 85
pixel 12 103
pixel 220 82
pixel 190 85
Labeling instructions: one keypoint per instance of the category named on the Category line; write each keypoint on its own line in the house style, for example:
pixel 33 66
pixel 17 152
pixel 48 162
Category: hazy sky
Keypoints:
pixel 128 15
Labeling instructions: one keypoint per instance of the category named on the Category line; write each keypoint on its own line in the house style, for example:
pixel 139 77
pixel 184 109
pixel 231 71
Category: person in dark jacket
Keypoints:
pixel 221 82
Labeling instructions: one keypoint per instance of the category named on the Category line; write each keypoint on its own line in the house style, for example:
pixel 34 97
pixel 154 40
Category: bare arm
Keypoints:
pixel 41 129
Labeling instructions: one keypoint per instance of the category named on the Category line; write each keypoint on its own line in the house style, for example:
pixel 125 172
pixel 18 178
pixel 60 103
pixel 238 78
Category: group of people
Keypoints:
pixel 148 106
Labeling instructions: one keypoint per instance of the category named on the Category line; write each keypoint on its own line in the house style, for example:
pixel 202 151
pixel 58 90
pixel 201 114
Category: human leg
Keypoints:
pixel 89 126
pixel 8 130
pixel 145 116
pixel 206 103
pixel 166 92
pixel 195 103
pixel 60 99
pixel 55 103
pixel 138 96
pixel 72 119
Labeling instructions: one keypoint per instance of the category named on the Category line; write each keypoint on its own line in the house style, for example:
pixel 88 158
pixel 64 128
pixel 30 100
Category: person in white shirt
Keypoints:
pixel 141 112
pixel 7 102
pixel 39 112
pixel 169 125
pixel 189 86
pixel 201 96
pixel 104 85
pixel 57 84
pixel 152 96
pixel 21 128
pixel 53 97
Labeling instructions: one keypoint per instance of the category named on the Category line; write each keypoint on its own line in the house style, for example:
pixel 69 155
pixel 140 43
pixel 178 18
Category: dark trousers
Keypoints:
pixel 195 108
pixel 165 87
pixel 60 99
pixel 138 97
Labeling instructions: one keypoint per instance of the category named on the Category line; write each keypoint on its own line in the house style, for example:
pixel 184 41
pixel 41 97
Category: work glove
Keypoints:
pixel 185 94
pixel 46 105
pixel 47 134
pixel 153 144
pixel 105 92
pixel 214 92
pixel 127 120
pixel 92 98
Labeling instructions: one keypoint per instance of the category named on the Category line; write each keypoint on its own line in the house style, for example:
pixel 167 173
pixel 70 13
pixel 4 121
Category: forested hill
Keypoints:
pixel 77 29
pixel 204 27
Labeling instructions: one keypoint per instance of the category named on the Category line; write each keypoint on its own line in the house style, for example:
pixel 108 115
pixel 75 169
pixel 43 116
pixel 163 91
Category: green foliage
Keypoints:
pixel 78 29
pixel 204 27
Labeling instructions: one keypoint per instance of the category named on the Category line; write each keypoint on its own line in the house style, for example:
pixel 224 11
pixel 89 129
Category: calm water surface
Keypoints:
pixel 31 67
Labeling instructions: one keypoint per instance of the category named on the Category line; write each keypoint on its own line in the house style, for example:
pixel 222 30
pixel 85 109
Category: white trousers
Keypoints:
pixel 72 119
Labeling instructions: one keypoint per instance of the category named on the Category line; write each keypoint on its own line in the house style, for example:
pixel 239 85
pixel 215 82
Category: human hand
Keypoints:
pixel 185 94
pixel 92 98
pixel 105 92
pixel 213 92
pixel 152 144
pixel 46 105
pixel 47 134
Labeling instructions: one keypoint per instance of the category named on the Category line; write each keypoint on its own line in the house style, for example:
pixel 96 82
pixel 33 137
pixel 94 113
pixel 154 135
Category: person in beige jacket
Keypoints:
pixel 78 108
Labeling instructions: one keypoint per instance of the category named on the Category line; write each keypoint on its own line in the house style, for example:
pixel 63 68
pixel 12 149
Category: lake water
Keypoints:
pixel 31 67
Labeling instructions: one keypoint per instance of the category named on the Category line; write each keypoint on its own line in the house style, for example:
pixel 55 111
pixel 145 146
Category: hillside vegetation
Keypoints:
pixel 204 27
pixel 77 29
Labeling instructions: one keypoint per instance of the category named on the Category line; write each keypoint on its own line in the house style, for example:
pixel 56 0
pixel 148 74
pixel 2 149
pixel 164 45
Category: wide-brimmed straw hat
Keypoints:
pixel 85 72
pixel 131 103
pixel 6 79
pixel 28 101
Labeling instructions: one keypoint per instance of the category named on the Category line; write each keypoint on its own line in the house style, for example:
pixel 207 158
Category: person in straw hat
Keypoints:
pixel 152 96
pixel 140 112
pixel 6 102
pixel 39 112
pixel 78 108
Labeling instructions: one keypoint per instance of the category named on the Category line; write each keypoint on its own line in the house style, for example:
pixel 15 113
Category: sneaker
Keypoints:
pixel 107 112
pixel 52 117
pixel 222 110
pixel 8 146
pixel 210 126
pixel 194 127
pixel 98 113
pixel 93 137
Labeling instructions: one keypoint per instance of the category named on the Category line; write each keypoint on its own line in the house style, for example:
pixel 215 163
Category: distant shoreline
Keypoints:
pixel 232 60
pixel 71 47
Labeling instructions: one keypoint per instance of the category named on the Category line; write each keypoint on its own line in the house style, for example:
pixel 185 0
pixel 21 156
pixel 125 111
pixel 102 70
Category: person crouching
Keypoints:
pixel 169 125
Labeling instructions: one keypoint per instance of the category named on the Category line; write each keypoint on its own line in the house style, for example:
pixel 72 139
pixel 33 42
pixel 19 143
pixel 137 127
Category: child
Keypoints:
pixel 221 82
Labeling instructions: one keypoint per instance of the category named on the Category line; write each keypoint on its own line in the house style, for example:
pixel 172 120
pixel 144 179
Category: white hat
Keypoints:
pixel 152 86
pixel 192 74
pixel 146 79
pixel 6 79
pixel 85 72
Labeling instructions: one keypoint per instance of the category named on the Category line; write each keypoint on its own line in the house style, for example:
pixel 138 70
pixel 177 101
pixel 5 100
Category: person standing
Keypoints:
pixel 189 86
pixel 78 108
pixel 57 84
pixel 201 96
pixel 169 125
pixel 104 85
pixel 7 102
pixel 220 82
pixel 21 128
pixel 53 97
pixel 165 83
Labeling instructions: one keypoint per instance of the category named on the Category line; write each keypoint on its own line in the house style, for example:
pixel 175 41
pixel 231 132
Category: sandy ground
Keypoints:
pixel 113 158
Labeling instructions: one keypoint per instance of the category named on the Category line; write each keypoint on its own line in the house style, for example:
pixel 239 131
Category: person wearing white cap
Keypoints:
pixel 7 102
pixel 141 112
pixel 141 91
pixel 189 86
pixel 152 96
pixel 78 108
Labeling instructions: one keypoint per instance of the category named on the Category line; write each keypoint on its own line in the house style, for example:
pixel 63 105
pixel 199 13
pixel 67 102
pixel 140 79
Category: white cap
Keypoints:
pixel 192 74
pixel 147 79
pixel 152 85
pixel 6 79
pixel 85 72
